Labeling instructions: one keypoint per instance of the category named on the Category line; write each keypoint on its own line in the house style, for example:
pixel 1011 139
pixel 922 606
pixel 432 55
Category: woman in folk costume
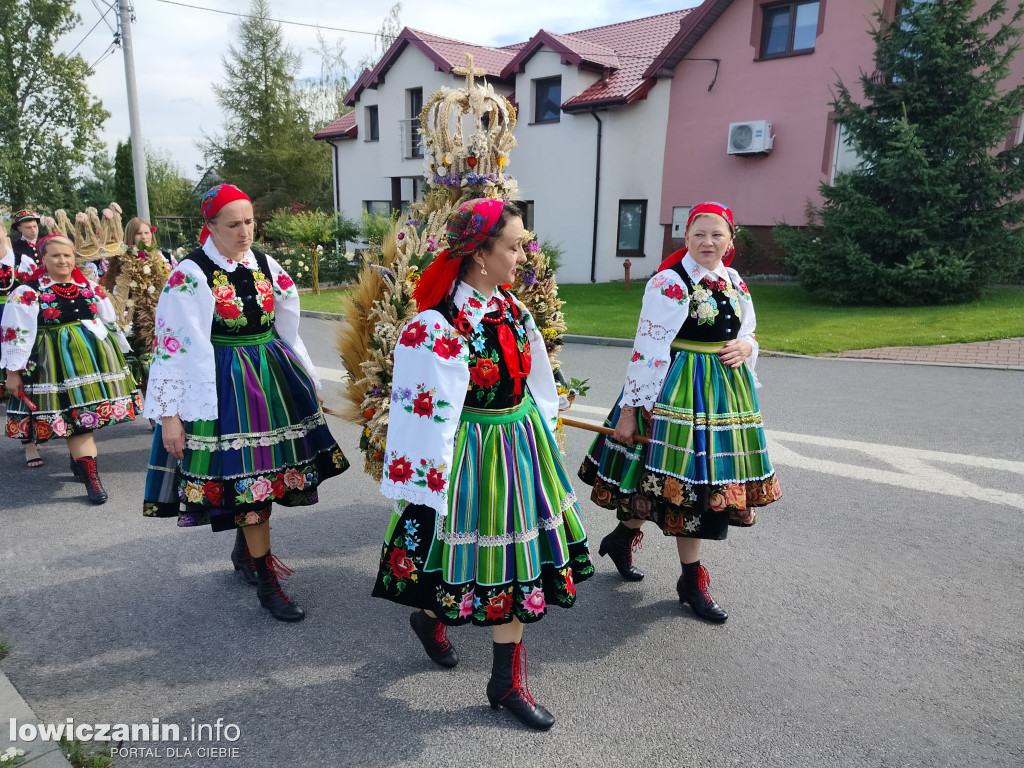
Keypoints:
pixel 486 529
pixel 692 376
pixel 14 269
pixel 65 371
pixel 235 393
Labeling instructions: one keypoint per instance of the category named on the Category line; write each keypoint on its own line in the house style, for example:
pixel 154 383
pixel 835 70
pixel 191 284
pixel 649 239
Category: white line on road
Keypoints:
pixel 912 468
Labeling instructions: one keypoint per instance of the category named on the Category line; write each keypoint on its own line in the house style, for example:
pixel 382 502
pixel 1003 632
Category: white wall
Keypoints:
pixel 555 164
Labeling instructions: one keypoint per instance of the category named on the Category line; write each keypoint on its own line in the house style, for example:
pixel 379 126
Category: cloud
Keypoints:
pixel 178 50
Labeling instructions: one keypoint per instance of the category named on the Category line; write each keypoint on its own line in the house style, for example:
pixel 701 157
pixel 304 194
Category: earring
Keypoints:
pixel 483 270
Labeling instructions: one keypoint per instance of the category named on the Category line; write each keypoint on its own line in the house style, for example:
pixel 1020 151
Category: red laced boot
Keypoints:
pixel 693 589
pixel 242 560
pixel 620 545
pixel 508 687
pixel 272 597
pixel 434 636
pixel 90 476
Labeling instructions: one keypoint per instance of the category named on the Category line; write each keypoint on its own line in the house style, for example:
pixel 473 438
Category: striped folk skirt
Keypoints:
pixel 79 383
pixel 269 443
pixel 706 466
pixel 512 543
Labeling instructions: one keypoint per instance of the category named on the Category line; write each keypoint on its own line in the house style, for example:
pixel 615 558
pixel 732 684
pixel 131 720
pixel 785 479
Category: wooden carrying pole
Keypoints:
pixel 596 428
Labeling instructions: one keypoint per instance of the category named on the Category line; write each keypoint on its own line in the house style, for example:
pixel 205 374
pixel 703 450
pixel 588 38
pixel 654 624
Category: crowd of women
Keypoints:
pixel 485 528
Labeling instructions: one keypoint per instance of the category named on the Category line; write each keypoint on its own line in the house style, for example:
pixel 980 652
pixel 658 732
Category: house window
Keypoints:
pixel 526 206
pixel 372 124
pixel 789 28
pixel 547 105
pixel 377 207
pixel 415 107
pixel 844 157
pixel 632 224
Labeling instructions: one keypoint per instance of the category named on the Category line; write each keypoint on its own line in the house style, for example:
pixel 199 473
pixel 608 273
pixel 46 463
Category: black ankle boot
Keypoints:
pixel 507 687
pixel 91 478
pixel 693 589
pixel 269 591
pixel 434 636
pixel 242 560
pixel 619 545
pixel 77 471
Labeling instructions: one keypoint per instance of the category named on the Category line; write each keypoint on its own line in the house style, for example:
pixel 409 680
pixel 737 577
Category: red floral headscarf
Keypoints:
pixel 714 208
pixel 216 199
pixel 467 231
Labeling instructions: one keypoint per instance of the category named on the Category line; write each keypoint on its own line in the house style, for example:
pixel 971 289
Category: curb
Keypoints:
pixel 45 754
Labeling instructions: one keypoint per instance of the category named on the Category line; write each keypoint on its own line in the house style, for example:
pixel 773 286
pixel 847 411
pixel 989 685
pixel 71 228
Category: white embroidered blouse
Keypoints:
pixel 665 307
pixel 182 377
pixel 21 321
pixel 432 359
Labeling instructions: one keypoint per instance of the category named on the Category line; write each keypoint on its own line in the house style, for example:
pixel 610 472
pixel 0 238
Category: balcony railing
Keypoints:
pixel 412 141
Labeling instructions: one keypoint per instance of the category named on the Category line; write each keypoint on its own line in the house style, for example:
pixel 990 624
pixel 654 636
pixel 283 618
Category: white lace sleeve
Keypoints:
pixel 666 301
pixel 429 385
pixel 182 379
pixel 287 315
pixel 18 332
pixel 748 321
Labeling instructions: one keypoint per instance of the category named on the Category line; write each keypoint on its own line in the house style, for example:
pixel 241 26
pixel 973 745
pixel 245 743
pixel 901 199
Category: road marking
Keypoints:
pixel 912 468
pixel 332 374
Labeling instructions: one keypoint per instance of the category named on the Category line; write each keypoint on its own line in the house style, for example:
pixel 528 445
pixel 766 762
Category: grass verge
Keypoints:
pixel 789 319
pixel 326 301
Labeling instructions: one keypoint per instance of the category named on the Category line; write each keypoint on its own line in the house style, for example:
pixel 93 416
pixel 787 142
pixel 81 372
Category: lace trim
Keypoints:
pixel 717 480
pixel 77 381
pixel 567 502
pixel 472 537
pixel 188 400
pixel 234 442
pixel 259 473
pixel 669 447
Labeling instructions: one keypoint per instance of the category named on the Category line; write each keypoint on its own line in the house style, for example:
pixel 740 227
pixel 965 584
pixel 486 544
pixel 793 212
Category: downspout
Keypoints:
pixel 337 181
pixel 597 198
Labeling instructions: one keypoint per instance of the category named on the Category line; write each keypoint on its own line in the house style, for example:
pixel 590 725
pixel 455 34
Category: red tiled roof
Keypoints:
pixel 573 51
pixel 444 52
pixel 638 43
pixel 343 128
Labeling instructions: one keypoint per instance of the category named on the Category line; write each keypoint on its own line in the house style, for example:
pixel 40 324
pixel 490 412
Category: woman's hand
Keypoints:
pixel 174 436
pixel 625 428
pixel 13 383
pixel 735 352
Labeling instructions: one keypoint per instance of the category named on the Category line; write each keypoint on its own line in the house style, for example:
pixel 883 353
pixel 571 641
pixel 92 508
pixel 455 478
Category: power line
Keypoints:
pixel 72 53
pixel 375 34
pixel 279 21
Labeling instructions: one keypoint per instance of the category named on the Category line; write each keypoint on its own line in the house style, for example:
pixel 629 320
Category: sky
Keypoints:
pixel 178 49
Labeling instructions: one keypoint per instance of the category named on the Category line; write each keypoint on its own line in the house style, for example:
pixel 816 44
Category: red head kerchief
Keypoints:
pixel 40 270
pixel 718 210
pixel 216 199
pixel 467 230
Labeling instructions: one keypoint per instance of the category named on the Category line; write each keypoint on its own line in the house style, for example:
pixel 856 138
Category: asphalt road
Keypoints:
pixel 876 611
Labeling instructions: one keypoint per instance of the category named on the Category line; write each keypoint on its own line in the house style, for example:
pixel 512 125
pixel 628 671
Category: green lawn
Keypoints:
pixel 790 320
pixel 326 301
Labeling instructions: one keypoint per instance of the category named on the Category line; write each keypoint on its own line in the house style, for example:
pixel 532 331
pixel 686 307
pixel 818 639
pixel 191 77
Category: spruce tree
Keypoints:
pixel 933 213
pixel 267 147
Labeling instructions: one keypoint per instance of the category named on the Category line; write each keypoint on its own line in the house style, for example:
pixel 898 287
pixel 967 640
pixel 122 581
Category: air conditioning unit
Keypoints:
pixel 751 137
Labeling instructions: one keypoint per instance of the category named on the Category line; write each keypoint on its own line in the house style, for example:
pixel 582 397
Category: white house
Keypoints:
pixel 591 135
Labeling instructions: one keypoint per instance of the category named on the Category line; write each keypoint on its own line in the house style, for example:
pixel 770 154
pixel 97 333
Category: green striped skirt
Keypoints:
pixel 512 543
pixel 706 466
pixel 78 382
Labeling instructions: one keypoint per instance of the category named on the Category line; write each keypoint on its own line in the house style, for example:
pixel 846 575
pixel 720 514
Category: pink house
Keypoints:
pixel 760 62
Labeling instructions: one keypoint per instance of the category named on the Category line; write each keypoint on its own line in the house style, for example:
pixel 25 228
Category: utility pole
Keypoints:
pixel 124 15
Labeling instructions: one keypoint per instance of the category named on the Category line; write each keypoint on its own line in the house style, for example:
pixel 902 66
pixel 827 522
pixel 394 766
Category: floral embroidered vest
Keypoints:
pixel 8 279
pixel 714 314
pixel 243 298
pixel 61 303
pixel 499 356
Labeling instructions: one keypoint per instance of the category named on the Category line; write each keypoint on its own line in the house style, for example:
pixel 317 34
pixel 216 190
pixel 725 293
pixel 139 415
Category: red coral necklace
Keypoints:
pixel 65 291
